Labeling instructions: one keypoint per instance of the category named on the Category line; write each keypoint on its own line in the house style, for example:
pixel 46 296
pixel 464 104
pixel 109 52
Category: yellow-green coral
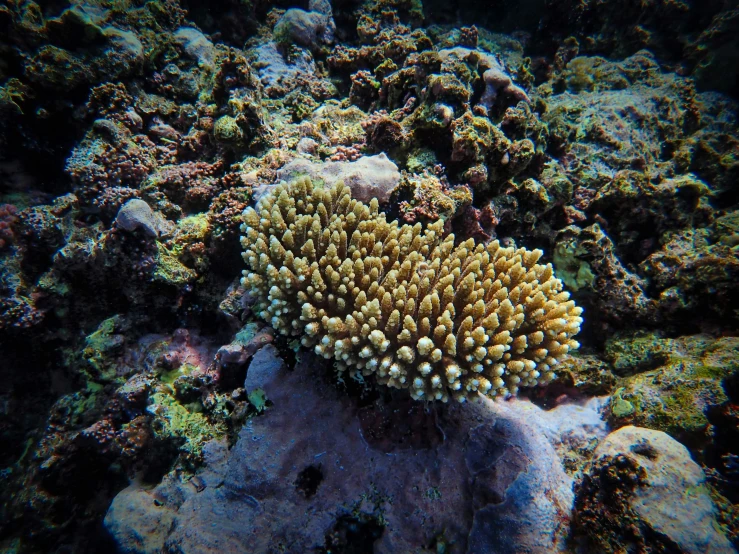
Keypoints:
pixel 401 303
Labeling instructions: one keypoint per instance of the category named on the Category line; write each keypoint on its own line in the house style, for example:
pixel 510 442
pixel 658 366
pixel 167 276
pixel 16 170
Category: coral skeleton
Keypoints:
pixel 402 303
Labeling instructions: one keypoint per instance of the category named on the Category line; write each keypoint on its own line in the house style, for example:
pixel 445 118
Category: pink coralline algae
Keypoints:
pixel 193 185
pixel 8 218
pixel 112 159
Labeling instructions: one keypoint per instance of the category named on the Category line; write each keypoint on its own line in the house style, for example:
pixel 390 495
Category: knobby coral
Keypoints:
pixel 401 303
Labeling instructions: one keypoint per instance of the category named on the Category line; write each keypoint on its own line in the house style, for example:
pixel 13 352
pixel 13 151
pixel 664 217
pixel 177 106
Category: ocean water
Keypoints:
pixel 382 276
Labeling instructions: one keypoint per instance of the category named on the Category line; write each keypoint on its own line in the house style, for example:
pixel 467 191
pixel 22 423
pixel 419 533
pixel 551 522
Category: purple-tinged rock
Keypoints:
pixel 465 478
pixel 136 214
pixel 643 492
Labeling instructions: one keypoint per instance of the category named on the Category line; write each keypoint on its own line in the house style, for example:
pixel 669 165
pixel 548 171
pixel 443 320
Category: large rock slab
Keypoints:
pixel 320 470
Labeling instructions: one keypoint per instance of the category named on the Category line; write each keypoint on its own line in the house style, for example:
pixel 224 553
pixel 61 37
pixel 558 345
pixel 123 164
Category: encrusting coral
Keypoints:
pixel 402 303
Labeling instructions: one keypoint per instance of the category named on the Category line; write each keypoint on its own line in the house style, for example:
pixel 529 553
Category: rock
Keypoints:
pixel 324 7
pixel 586 260
pixel 139 518
pixel 136 214
pixel 672 385
pixel 123 56
pixel 264 368
pixel 568 427
pixel 318 471
pixel 309 29
pixel 368 177
pixel 519 488
pixel 137 523
pixel 300 27
pixel 196 45
pixel 274 69
pixel 642 492
pixel 81 23
pixel 232 354
pixel 227 130
pixel 307 145
pixel 498 82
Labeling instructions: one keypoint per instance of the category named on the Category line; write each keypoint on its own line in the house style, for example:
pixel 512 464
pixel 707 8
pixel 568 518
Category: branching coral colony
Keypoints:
pixel 401 303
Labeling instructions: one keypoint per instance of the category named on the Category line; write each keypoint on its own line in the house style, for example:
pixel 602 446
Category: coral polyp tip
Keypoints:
pixel 401 302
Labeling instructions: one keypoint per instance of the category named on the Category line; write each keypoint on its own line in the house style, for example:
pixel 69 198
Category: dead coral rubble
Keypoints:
pixel 401 303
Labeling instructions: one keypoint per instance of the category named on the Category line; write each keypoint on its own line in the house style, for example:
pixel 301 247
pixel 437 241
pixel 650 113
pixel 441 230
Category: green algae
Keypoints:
pixel 258 399
pixel 185 422
pixel 170 270
pixel 574 272
pixel 637 353
pixel 227 130
pixel 619 406
pixel 587 373
pixel 670 384
pixel 247 333
pixel 184 370
pixel 101 349
pixel 193 227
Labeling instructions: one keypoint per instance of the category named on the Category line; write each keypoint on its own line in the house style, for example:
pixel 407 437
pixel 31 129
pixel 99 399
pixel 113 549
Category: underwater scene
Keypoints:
pixel 369 276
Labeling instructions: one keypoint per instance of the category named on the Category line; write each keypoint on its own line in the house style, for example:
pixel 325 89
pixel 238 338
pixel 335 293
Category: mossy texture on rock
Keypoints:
pixel 671 385
pixel 401 303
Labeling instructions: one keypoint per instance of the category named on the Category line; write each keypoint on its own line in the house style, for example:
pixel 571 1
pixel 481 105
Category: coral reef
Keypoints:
pixel 137 137
pixel 401 304
pixel 431 198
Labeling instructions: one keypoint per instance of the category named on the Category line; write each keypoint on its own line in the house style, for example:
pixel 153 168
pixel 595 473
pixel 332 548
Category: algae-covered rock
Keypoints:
pixel 300 27
pixel 587 373
pixel 227 130
pixel 696 270
pixel 196 45
pixel 103 347
pixel 576 273
pixel 181 258
pixel 670 384
pixel 588 261
pixel 427 198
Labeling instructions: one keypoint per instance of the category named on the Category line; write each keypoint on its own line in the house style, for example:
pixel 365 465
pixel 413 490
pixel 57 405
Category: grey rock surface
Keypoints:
pixel 141 518
pixel 266 366
pixel 273 68
pixel 136 214
pixel 368 177
pixel 124 53
pixel 300 27
pixel 673 501
pixel 498 82
pixel 196 45
pixel 317 470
